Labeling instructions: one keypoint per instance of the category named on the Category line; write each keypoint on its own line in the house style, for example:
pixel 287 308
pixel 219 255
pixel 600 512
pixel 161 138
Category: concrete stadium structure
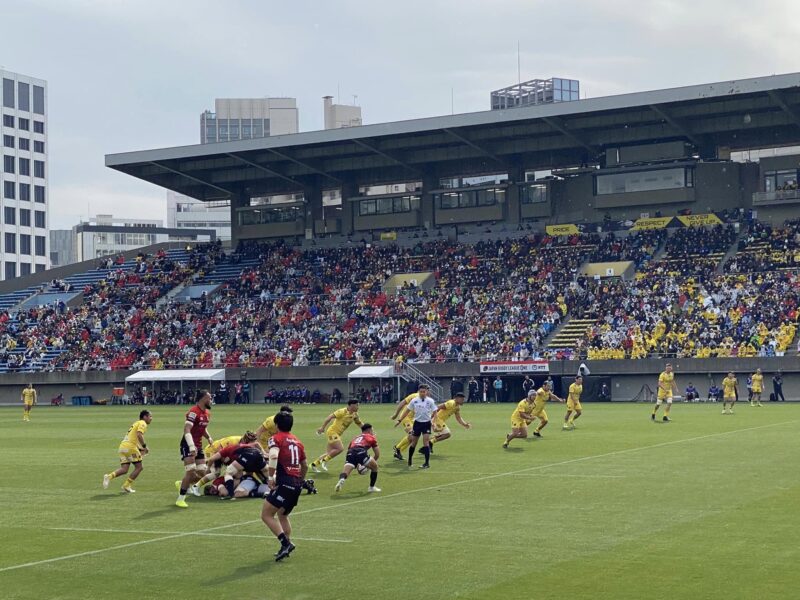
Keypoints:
pixel 617 158
pixel 596 150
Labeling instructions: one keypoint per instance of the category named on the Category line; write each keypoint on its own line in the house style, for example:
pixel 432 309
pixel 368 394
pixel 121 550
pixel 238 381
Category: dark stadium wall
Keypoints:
pixel 628 378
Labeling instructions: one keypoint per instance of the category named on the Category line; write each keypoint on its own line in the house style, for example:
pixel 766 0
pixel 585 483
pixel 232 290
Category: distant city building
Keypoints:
pixel 62 250
pixel 104 235
pixel 248 118
pixel 338 116
pixel 185 212
pixel 536 91
pixel 24 232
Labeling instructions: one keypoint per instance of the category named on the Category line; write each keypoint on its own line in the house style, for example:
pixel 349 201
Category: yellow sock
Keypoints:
pixel 128 482
pixel 325 458
pixel 431 441
pixel 112 475
pixel 403 444
pixel 571 420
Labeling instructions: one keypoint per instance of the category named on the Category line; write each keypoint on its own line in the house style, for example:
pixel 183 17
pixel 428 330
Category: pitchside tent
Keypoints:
pixel 179 375
pixel 375 372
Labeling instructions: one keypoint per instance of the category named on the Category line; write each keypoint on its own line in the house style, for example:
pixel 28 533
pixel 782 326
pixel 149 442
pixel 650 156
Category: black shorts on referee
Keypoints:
pixel 421 427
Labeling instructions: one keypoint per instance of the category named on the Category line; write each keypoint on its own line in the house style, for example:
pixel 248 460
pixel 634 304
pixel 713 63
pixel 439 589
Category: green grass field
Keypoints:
pixel 704 507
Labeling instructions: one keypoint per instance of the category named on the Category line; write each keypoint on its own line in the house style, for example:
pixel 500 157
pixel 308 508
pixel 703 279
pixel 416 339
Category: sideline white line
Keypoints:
pixel 542 475
pixel 236 535
pixel 374 498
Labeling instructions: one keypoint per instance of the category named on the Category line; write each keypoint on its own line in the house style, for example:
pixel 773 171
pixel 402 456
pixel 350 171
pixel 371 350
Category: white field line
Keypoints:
pixel 541 475
pixel 234 535
pixel 376 497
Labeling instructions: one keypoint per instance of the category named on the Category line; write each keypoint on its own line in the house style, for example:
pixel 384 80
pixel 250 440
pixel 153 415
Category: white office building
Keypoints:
pixel 248 118
pixel 338 116
pixel 103 235
pixel 184 212
pixel 24 231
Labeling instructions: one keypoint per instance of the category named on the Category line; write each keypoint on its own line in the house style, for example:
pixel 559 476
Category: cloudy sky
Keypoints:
pixel 137 74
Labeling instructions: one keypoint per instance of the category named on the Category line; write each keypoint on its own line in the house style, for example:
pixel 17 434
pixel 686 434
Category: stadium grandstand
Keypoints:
pixel 625 227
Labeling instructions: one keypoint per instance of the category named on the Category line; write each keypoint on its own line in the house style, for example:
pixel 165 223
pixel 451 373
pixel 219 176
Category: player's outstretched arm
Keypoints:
pixel 328 419
pixel 403 416
pixel 462 422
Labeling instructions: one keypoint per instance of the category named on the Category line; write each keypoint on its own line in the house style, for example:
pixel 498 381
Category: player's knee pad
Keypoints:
pixel 658 401
pixel 669 400
pixel 190 468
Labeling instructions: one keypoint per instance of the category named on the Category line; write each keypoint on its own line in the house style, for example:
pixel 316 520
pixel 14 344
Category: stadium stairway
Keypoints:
pixel 567 336
pixel 229 271
pixel 732 251
pixel 11 300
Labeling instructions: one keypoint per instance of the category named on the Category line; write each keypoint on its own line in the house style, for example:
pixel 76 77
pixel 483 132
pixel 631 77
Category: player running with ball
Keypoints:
pixel 358 458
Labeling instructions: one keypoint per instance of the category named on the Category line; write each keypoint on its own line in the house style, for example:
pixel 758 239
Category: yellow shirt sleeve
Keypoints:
pixel 339 414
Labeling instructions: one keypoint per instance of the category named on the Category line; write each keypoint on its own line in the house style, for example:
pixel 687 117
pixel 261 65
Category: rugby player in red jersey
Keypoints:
pixel 195 428
pixel 285 476
pixel 358 458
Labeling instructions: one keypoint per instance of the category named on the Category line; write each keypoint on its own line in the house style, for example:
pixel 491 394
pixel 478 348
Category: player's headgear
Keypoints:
pixel 531 393
pixel 284 421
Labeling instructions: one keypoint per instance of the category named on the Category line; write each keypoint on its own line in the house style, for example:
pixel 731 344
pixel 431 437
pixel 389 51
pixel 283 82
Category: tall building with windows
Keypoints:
pixel 184 212
pixel 248 118
pixel 338 116
pixel 24 230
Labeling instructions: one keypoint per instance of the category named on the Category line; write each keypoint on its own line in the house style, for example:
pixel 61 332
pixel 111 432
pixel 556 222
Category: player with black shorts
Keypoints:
pixel 424 409
pixel 286 473
pixel 195 428
pixel 242 459
pixel 358 458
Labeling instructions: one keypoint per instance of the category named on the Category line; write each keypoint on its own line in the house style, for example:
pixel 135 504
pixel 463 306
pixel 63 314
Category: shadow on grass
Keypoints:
pixel 260 568
pixel 108 496
pixel 160 512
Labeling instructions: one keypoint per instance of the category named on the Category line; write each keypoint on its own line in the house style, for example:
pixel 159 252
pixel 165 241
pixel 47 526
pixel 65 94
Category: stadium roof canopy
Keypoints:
pixel 178 375
pixel 377 372
pixel 749 113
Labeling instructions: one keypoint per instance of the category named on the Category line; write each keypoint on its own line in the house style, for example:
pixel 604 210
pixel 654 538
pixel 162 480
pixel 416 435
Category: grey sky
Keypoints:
pixel 137 74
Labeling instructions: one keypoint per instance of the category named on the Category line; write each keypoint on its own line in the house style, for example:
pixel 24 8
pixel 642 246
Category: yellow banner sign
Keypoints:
pixel 654 223
pixel 565 229
pixel 700 220
pixel 388 235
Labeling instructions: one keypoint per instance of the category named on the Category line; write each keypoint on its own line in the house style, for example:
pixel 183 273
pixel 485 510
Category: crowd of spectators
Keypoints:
pixel 490 300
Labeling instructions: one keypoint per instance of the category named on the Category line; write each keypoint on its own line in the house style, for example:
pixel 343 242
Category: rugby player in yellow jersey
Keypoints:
pixel 543 394
pixel 342 419
pixel 131 452
pixel 408 422
pixel 666 387
pixel 444 411
pixel 268 428
pixel 730 392
pixel 574 403
pixel 215 468
pixel 758 387
pixel 29 398
pixel 521 418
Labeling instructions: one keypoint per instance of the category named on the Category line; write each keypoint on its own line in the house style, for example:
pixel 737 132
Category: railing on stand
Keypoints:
pixel 408 372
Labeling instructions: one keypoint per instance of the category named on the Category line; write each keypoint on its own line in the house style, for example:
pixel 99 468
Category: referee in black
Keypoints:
pixel 424 408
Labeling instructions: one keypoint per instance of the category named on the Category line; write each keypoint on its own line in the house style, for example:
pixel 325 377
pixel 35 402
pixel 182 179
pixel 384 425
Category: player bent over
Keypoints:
pixel 214 465
pixel 444 411
pixel 244 460
pixel 358 458
pixel 521 418
pixel 131 450
pixel 195 428
pixel 666 387
pixel 342 419
pixel 286 475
